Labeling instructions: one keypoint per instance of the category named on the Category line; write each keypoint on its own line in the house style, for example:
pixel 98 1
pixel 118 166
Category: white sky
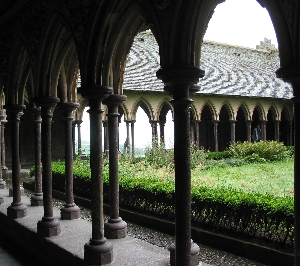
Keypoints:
pixel 238 22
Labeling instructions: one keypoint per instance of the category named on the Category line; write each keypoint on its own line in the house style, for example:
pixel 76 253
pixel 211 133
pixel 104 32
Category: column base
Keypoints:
pixel 98 252
pixel 10 194
pixel 1 199
pixel 37 199
pixel 70 212
pixel 17 210
pixel 115 228
pixel 48 226
pixel 2 184
pixel 194 254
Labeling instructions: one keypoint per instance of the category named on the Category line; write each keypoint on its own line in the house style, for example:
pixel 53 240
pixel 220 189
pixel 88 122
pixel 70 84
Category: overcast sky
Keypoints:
pixel 238 22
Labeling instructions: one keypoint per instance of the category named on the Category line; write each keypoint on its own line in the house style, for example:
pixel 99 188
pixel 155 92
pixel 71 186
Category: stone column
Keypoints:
pixel 2 182
pixel 154 130
pixel 263 130
pixel 192 131
pixel 232 132
pixel 98 250
pixel 249 133
pixel 127 146
pixel 197 133
pixel 115 227
pixel 291 140
pixel 180 78
pixel 78 122
pixel 277 131
pixel 73 138
pixel 106 141
pixel 48 226
pixel 216 134
pixel 162 130
pixel 17 209
pixel 37 197
pixel 132 138
pixel 291 74
pixel 70 211
pixel 3 122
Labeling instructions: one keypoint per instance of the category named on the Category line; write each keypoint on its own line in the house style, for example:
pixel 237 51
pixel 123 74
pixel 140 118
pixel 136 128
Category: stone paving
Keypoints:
pixel 67 248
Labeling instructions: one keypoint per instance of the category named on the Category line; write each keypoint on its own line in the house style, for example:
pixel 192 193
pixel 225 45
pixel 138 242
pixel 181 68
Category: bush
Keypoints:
pixel 218 155
pixel 259 151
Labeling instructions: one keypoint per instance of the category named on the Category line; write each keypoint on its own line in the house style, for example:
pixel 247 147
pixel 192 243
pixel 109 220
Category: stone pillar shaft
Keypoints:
pixel 79 136
pixel 263 130
pixel 232 132
pixel 162 130
pixel 248 122
pixel 2 182
pixel 197 133
pixel 98 250
pixel 276 128
pixel 291 140
pixel 49 225
pixel 106 141
pixel 115 228
pixel 70 211
pixel 132 138
pixel 216 134
pixel 154 129
pixel 3 122
pixel 37 197
pixel 16 209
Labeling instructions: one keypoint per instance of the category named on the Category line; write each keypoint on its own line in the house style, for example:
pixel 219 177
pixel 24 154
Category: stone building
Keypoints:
pixel 46 44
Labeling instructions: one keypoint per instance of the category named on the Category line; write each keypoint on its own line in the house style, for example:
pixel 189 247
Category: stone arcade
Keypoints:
pixel 45 45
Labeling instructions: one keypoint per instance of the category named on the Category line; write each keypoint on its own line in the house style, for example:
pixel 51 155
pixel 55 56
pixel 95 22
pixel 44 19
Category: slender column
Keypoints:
pixel 98 250
pixel 106 141
pixel 78 122
pixel 248 123
pixel 17 209
pixel 263 130
pixel 127 142
pixel 2 182
pixel 197 133
pixel 115 227
pixel 187 253
pixel 277 133
pixel 132 138
pixel 49 225
pixel 3 122
pixel 73 138
pixel 70 211
pixel 232 132
pixel 154 129
pixel 291 142
pixel 192 131
pixel 292 75
pixel 37 197
pixel 216 134
pixel 162 130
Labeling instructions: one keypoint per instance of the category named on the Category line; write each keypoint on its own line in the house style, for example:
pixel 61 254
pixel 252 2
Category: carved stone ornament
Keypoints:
pixel 162 4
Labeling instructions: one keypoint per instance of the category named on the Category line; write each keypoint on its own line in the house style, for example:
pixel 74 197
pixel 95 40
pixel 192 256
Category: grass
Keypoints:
pixel 273 177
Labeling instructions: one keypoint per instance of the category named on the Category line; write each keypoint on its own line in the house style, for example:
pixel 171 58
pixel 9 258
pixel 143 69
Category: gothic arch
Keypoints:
pixel 163 107
pixel 212 109
pixel 52 56
pixel 229 109
pixel 246 111
pixel 261 112
pixel 146 106
pixel 125 110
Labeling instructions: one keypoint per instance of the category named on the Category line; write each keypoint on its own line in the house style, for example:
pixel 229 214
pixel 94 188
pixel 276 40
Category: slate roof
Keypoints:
pixel 229 69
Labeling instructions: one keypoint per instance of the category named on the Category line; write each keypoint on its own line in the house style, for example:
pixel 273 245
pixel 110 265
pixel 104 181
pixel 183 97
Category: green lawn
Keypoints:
pixel 275 177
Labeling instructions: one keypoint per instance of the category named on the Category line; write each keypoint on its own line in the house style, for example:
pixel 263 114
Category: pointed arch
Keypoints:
pixel 146 106
pixel 245 109
pixel 229 109
pixel 212 109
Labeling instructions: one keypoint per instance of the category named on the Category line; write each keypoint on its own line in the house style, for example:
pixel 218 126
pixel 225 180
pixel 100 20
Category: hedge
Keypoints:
pixel 266 217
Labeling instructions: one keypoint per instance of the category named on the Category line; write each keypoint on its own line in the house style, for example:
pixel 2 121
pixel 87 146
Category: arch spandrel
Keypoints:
pixel 125 110
pixel 261 111
pixel 246 110
pixel 165 103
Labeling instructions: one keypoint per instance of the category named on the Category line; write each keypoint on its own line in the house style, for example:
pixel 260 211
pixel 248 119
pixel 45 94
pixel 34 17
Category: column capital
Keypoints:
pixel 46 101
pixel 248 121
pixel 15 110
pixel 95 94
pixel 78 122
pixel 68 106
pixel 232 120
pixel 216 121
pixel 114 99
pixel 289 73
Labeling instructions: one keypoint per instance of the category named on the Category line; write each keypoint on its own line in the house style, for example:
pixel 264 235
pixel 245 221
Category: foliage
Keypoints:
pixel 219 206
pixel 262 151
pixel 218 155
pixel 158 156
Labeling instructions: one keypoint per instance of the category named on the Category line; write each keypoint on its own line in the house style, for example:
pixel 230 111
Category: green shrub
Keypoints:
pixel 218 155
pixel 259 151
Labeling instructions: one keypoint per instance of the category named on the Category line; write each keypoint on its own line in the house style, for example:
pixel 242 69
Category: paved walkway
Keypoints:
pixel 67 248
